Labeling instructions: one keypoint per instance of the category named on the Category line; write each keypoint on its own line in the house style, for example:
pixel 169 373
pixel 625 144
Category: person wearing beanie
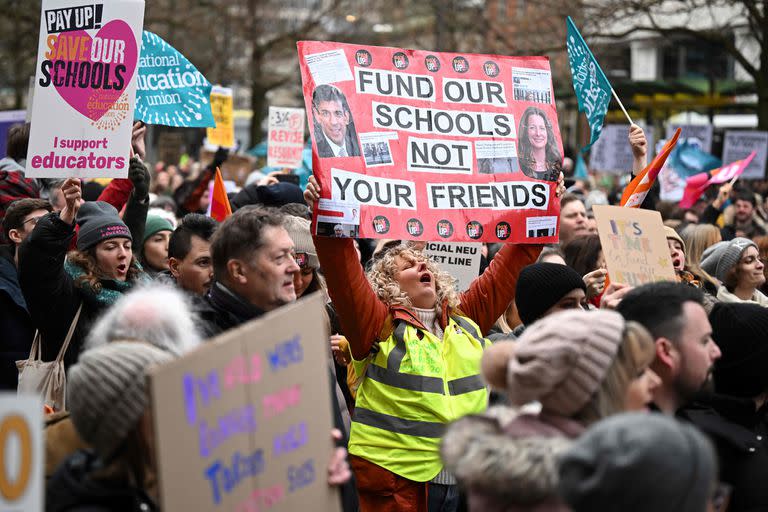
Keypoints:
pixel 738 266
pixel 542 289
pixel 307 279
pixel 677 255
pixel 735 415
pixel 636 462
pixel 406 307
pixel 90 278
pixel 580 366
pixel 108 401
pixel 153 254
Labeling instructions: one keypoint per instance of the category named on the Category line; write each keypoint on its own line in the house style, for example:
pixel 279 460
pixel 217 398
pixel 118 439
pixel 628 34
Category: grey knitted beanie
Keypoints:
pixel 718 259
pixel 637 462
pixel 107 392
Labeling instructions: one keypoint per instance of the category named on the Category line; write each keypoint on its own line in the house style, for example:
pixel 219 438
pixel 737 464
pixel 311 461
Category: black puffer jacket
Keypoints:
pixel 51 293
pixel 739 433
pixel 73 489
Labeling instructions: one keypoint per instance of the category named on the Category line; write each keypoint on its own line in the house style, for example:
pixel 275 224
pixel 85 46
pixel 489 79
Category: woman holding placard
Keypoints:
pixel 416 346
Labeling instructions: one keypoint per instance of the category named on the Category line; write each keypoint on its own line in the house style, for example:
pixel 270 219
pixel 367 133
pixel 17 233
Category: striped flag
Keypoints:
pixel 697 184
pixel 638 188
pixel 220 208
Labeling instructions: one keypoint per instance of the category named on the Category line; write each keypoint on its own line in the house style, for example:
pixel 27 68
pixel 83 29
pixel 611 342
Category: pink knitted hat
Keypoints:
pixel 562 359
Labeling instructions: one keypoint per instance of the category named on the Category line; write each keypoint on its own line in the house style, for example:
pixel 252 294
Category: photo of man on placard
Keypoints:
pixel 335 133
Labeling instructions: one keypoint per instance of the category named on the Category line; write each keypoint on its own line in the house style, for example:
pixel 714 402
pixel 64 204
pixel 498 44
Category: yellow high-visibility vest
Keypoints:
pixel 411 389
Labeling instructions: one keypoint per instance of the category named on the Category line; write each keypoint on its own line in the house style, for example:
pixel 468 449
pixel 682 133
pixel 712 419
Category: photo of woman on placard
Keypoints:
pixel 538 154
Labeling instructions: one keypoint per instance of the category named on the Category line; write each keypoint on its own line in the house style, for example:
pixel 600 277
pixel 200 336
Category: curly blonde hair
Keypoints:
pixel 387 289
pixel 92 276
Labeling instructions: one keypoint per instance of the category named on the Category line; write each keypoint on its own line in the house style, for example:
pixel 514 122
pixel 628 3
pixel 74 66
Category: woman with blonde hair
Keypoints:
pixel 580 367
pixel 416 345
pixel 698 238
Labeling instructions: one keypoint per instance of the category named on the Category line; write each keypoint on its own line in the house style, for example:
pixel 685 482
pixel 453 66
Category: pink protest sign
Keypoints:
pixel 85 88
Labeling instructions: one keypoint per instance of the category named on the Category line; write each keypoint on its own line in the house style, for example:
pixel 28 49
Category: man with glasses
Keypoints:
pixel 15 323
pixel 334 127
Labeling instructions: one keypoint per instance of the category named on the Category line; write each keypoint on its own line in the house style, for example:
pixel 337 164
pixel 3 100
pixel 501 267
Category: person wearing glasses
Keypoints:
pixel 737 265
pixel 18 330
pixel 335 134
pixel 539 156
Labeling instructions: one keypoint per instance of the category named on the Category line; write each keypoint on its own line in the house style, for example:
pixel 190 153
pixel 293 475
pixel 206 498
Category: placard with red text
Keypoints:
pixel 85 88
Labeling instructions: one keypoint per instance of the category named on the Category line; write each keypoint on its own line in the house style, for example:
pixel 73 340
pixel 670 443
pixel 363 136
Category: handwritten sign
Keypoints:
pixel 460 260
pixel 243 423
pixel 21 453
pixel 85 89
pixel 634 245
pixel 222 106
pixel 739 144
pixel 434 146
pixel 286 137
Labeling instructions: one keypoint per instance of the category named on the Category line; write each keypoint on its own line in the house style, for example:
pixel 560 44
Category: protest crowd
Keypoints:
pixel 546 384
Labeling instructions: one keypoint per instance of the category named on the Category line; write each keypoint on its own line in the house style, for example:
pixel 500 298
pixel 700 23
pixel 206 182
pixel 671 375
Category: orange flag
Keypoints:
pixel 638 188
pixel 220 208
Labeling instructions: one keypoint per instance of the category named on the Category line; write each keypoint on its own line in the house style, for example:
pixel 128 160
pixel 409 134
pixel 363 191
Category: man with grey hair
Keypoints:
pixel 157 314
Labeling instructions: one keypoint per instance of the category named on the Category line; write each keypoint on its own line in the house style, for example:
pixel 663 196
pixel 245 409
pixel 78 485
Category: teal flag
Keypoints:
pixel 593 91
pixel 580 168
pixel 170 91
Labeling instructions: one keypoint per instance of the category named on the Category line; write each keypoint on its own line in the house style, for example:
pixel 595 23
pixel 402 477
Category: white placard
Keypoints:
pixel 700 134
pixel 286 137
pixel 612 152
pixel 739 144
pixel 461 260
pixel 21 447
pixel 85 88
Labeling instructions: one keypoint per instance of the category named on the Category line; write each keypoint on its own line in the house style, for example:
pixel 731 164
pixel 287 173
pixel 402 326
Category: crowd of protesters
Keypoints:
pixel 543 386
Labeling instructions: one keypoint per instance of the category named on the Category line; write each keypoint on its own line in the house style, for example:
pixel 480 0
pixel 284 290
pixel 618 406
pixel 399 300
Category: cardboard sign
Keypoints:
pixel 462 261
pixel 85 89
pixel 171 91
pixel 434 146
pixel 244 422
pixel 634 245
pixel 739 144
pixel 235 168
pixel 223 114
pixel 21 451
pixel 612 153
pixel 286 137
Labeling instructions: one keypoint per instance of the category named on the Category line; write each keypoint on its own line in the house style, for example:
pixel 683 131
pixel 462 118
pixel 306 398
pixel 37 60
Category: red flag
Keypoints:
pixel 220 208
pixel 638 188
pixel 696 185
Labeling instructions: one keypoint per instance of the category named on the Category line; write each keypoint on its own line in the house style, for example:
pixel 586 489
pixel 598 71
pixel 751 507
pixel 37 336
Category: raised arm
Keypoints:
pixel 48 290
pixel 639 145
pixel 361 313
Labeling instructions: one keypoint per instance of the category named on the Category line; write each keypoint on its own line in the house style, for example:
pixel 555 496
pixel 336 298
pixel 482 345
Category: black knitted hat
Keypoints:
pixel 741 332
pixel 541 285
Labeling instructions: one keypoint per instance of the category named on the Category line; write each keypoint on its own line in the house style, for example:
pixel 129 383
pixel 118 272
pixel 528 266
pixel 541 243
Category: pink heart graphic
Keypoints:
pixel 113 45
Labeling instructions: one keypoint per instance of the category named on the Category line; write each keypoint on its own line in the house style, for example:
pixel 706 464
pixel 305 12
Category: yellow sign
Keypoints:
pixel 222 107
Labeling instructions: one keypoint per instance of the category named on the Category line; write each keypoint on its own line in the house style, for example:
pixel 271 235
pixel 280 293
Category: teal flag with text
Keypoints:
pixel 593 91
pixel 170 90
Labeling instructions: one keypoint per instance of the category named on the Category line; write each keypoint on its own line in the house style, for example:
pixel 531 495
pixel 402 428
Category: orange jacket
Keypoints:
pixel 366 319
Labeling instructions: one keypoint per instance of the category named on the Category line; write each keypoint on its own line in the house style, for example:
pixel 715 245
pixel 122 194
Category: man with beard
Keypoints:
pixel 685 351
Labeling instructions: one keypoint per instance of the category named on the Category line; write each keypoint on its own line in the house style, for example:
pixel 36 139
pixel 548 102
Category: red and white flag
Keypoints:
pixel 638 188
